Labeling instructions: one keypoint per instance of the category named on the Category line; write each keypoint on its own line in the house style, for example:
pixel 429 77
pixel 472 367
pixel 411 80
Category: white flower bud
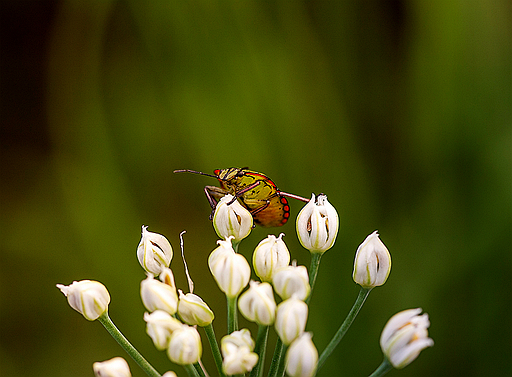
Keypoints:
pixel 157 295
pixel 232 219
pixel 270 255
pixel 317 224
pixel 185 346
pixel 116 367
pixel 237 350
pixel 159 326
pixel 291 318
pixel 302 357
pixel 154 252
pixel 292 281
pixel 257 304
pixel 89 298
pixel 405 336
pixel 237 339
pixel 194 311
pixel 230 270
pixel 372 263
pixel 169 374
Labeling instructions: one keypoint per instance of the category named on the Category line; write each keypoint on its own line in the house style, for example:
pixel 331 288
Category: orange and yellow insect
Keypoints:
pixel 255 191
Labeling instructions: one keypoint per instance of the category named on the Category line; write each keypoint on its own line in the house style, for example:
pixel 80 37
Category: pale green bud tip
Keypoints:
pixel 372 263
pixel 89 298
pixel 405 336
pixel 257 304
pixel 194 311
pixel 154 252
pixel 291 318
pixel 185 346
pixel 116 367
pixel 238 357
pixel 317 225
pixel 270 255
pixel 302 357
pixel 158 295
pixel 232 219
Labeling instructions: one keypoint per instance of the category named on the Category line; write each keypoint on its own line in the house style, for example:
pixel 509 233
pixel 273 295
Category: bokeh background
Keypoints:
pixel 399 110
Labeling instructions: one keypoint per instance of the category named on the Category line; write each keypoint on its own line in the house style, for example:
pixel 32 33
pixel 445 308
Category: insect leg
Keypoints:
pixel 244 190
pixel 213 194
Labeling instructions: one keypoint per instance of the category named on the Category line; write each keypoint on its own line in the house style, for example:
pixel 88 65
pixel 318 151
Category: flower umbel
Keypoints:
pixel 372 263
pixel 116 367
pixel 317 224
pixel 405 336
pixel 232 219
pixel 154 252
pixel 89 298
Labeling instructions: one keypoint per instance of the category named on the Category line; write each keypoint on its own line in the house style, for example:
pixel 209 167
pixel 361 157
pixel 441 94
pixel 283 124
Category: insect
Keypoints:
pixel 255 191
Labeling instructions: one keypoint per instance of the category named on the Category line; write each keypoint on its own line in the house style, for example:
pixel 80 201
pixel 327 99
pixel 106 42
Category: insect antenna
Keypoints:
pixel 294 196
pixel 194 172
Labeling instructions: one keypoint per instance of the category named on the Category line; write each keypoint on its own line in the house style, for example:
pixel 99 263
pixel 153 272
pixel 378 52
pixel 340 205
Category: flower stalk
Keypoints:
pixel 210 334
pixel 127 346
pixel 383 368
pixel 260 349
pixel 361 298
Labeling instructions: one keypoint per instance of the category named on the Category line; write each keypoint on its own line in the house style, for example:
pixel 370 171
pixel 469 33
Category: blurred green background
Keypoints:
pixel 400 111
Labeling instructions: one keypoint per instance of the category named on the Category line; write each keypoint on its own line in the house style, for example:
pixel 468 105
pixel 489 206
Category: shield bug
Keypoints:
pixel 255 191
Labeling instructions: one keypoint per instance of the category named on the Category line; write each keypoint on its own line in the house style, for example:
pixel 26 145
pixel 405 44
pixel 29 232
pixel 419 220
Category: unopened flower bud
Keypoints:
pixel 232 219
pixel 270 255
pixel 185 346
pixel 237 350
pixel 291 318
pixel 169 374
pixel 292 281
pixel 116 367
pixel 193 310
pixel 89 298
pixel 157 295
pixel 159 326
pixel 405 336
pixel 372 263
pixel 302 357
pixel 154 252
pixel 230 270
pixel 317 224
pixel 257 304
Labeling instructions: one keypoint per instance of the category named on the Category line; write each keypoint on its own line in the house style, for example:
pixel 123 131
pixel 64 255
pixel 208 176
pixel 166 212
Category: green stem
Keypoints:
pixel 127 346
pixel 232 314
pixel 276 358
pixel 383 368
pixel 260 348
pixel 361 298
pixel 191 370
pixel 199 369
pixel 313 272
pixel 210 334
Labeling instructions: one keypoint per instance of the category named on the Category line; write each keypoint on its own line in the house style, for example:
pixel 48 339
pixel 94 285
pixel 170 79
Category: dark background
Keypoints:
pixel 400 111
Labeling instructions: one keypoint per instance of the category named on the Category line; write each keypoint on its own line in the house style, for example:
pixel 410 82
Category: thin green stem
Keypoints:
pixel 199 369
pixel 313 272
pixel 127 346
pixel 280 371
pixel 191 370
pixel 232 314
pixel 383 368
pixel 361 298
pixel 210 334
pixel 260 349
pixel 276 358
